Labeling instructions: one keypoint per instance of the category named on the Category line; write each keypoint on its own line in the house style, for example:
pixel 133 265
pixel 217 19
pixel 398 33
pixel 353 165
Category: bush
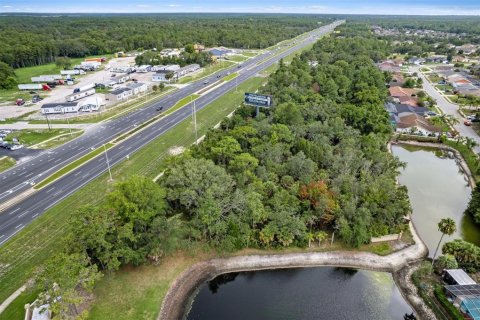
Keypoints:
pixel 467 254
pixel 447 305
pixel 446 261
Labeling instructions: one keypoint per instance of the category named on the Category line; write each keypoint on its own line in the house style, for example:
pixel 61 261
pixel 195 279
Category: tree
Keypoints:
pixel 189 48
pixel 321 235
pixel 7 76
pixel 64 280
pixel 310 237
pixel 63 62
pixel 446 261
pixel 446 227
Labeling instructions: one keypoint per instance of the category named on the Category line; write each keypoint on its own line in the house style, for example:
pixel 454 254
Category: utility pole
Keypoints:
pixel 108 162
pixel 236 82
pixel 68 121
pixel 195 122
pixel 48 123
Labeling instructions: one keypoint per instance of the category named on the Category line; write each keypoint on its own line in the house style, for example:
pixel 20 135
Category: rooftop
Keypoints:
pixel 460 276
pixel 120 90
pixel 59 104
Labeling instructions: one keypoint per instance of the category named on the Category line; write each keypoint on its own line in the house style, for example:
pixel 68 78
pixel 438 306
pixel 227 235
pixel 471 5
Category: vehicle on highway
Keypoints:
pixel 205 82
pixel 467 122
pixel 219 75
pixel 15 146
pixel 159 108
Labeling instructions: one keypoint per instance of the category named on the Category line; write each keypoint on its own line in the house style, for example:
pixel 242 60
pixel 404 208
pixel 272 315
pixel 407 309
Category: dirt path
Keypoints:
pixel 177 298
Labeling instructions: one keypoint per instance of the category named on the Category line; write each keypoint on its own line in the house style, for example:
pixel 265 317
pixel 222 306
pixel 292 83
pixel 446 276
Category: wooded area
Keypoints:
pixel 38 39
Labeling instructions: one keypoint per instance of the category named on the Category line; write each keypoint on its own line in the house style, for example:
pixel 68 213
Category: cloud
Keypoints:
pixel 7 6
pixel 173 5
pixel 143 6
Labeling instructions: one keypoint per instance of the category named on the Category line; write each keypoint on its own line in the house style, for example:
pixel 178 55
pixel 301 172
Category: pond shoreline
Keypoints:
pixel 458 156
pixel 400 263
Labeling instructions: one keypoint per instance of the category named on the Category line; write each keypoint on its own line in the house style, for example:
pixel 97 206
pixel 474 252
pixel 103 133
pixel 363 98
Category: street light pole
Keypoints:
pixel 194 115
pixel 108 162
pixel 48 122
pixel 68 121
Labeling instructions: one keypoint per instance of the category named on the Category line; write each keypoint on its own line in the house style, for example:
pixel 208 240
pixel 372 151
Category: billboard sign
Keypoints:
pixel 258 100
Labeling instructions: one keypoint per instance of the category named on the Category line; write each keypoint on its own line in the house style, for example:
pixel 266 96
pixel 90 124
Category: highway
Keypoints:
pixel 21 177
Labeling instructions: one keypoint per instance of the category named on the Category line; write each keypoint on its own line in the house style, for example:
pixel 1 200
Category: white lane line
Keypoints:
pixel 14 211
pixel 21 224
pixel 35 215
pixel 22 214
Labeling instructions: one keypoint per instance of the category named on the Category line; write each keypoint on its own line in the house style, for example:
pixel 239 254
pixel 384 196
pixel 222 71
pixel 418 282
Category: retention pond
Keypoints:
pixel 300 293
pixel 437 189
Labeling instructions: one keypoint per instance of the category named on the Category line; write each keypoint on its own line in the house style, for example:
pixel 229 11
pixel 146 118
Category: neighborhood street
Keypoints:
pixel 448 108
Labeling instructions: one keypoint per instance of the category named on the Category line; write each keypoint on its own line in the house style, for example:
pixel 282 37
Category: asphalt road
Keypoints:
pixel 19 178
pixel 449 109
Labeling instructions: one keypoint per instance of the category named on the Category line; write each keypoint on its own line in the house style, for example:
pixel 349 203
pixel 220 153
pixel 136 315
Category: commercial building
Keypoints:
pixel 60 107
pixel 121 78
pixel 163 76
pixel 120 94
pixel 144 68
pixel 187 69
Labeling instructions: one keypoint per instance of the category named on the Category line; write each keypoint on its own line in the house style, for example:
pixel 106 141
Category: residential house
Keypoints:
pixel 187 69
pixel 220 52
pixel 461 59
pixel 60 107
pixel 467 49
pixel 122 69
pixel 409 122
pixel 416 61
pixel 122 78
pixel 397 80
pixel 162 76
pixel 144 68
pixel 137 87
pixel 402 92
pixel 119 94
pixel 436 59
pixel 198 47
pixel 389 66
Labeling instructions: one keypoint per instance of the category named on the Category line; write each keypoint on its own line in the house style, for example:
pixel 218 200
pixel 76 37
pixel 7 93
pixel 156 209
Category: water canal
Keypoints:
pixel 301 293
pixel 437 189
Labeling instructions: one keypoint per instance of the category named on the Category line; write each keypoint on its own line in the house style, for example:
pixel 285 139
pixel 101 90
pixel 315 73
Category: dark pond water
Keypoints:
pixel 437 189
pixel 301 293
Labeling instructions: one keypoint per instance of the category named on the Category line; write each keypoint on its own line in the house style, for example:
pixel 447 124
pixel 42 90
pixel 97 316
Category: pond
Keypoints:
pixel 437 189
pixel 300 293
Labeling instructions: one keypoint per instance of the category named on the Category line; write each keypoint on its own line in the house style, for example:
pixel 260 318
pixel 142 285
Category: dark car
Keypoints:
pixel 159 108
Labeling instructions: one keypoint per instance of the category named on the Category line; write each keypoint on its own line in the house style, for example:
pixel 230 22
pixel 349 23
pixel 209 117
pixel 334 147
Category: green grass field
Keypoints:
pixel 231 76
pixel 30 137
pixel 6 163
pixel 55 142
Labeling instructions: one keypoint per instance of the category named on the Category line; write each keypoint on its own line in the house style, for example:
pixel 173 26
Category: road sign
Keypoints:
pixel 258 100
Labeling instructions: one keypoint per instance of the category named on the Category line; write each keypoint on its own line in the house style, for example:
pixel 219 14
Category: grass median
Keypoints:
pixel 75 164
pixel 6 163
pixel 231 76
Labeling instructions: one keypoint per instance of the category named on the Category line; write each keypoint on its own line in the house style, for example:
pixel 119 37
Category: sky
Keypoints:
pixel 399 7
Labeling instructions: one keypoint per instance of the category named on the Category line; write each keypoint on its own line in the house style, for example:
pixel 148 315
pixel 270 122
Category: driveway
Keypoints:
pixel 448 108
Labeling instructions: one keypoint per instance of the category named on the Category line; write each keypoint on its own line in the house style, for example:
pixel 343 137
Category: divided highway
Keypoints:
pixel 20 178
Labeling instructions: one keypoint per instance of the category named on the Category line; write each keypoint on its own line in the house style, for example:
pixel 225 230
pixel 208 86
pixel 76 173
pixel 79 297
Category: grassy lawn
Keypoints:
pixel 36 242
pixel 16 309
pixel 77 163
pixel 444 87
pixel 434 78
pixel 55 142
pixel 11 95
pixel 6 162
pixel 207 71
pixel 238 58
pixel 30 137
pixel 231 76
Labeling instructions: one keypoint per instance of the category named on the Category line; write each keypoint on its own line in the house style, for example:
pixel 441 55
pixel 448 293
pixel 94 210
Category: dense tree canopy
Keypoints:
pixel 34 40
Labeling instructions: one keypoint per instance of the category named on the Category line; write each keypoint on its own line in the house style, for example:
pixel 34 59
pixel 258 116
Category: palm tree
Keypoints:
pixel 470 143
pixel 310 238
pixel 446 227
pixel 453 120
pixel 321 235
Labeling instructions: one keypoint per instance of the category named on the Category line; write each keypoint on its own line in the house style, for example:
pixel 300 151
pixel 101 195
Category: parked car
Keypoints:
pixel 467 122
pixel 15 146
pixel 471 117
pixel 20 102
pixel 431 113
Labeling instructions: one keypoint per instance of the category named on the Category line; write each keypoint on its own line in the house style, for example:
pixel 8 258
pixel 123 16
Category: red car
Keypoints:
pixel 467 122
